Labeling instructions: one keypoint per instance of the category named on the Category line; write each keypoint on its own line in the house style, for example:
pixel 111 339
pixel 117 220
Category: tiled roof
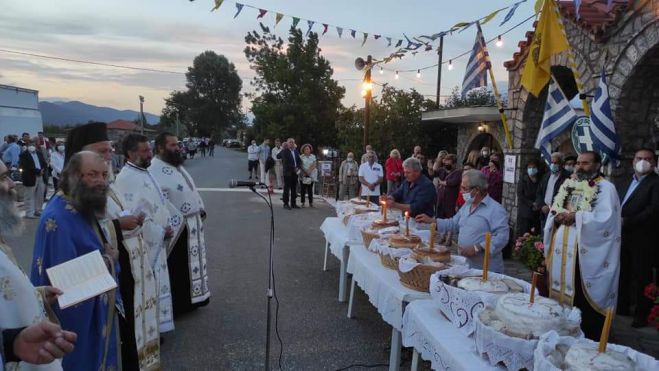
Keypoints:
pixel 594 18
pixel 123 125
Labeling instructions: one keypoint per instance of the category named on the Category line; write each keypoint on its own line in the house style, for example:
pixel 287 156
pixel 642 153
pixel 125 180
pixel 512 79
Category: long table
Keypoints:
pixel 337 242
pixel 385 292
pixel 437 340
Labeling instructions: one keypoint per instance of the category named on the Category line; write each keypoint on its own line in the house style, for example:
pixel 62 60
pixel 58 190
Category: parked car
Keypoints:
pixel 233 143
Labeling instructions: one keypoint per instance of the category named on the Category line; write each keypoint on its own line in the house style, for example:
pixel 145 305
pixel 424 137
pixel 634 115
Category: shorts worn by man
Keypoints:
pixel 417 194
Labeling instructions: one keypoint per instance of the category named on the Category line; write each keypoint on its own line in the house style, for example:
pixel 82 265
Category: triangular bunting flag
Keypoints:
pixel 239 8
pixel 388 41
pixel 353 33
pixel 339 30
pixel 264 28
pixel 511 12
pixel 490 16
pixel 428 47
pixel 325 26
pixel 262 13
pixel 458 26
pixel 310 23
pixel 399 43
pixel 278 18
pixel 296 20
pixel 218 4
pixel 467 26
pixel 365 37
pixel 376 37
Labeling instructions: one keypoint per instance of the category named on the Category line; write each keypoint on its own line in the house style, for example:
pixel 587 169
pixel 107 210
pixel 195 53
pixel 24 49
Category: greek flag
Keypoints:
pixel 602 128
pixel 557 117
pixel 479 63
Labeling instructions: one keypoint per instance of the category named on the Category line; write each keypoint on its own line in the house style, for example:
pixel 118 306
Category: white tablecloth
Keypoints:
pixel 382 285
pixel 438 341
pixel 336 234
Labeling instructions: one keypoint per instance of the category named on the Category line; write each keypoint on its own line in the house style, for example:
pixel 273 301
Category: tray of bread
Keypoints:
pixel 415 270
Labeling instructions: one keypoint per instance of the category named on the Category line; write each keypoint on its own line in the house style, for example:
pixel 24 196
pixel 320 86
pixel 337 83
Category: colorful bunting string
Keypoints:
pixel 339 30
pixel 365 37
pixel 325 26
pixel 262 13
pixel 218 4
pixel 310 24
pixel 239 8
pixel 278 18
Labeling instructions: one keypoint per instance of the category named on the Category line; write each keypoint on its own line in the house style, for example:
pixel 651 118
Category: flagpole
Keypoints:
pixel 571 61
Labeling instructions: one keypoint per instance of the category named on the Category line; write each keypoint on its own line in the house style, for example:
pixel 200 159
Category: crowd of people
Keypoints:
pixel 467 200
pixel 146 222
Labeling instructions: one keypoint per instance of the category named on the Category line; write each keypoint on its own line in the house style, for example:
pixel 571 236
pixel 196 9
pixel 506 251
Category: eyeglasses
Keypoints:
pixel 466 189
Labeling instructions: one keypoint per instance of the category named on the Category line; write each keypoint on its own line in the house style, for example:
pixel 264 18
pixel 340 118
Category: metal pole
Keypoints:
pixel 440 52
pixel 141 115
pixel 367 100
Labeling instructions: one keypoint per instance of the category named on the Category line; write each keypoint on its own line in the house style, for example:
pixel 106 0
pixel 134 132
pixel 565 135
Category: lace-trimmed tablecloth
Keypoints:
pixel 438 341
pixel 382 285
pixel 336 234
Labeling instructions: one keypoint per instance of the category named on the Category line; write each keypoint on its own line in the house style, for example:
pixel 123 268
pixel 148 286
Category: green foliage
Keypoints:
pixel 295 93
pixel 529 249
pixel 475 97
pixel 212 100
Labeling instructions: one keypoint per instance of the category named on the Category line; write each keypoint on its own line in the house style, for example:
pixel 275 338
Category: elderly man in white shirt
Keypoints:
pixel 253 160
pixel 370 177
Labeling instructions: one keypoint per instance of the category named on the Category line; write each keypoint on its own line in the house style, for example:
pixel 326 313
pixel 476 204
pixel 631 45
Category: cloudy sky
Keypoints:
pixel 168 34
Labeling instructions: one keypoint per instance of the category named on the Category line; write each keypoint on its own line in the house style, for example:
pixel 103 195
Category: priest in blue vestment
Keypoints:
pixel 69 228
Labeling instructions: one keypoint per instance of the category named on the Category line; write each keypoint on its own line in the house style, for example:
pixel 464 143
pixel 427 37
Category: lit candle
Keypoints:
pixel 486 256
pixel 534 283
pixel 384 209
pixel 604 338
pixel 433 231
pixel 407 223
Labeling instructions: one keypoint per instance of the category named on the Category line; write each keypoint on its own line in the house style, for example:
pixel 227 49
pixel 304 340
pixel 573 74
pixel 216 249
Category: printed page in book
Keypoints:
pixel 81 278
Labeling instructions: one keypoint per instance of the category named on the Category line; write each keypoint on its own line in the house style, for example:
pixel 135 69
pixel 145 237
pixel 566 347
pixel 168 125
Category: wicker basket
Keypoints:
pixel 389 262
pixel 367 237
pixel 418 278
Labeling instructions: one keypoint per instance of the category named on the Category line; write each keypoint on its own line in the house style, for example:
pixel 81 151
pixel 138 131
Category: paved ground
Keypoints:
pixel 229 334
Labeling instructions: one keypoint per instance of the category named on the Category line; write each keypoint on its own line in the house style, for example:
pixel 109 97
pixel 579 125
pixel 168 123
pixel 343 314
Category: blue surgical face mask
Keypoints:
pixel 532 171
pixel 554 168
pixel 467 196
pixel 569 168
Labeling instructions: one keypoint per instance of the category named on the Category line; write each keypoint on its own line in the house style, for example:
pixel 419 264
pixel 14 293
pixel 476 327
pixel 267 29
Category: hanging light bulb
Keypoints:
pixel 450 65
pixel 364 92
pixel 499 41
pixel 381 71
pixel 367 85
pixel 396 75
pixel 418 74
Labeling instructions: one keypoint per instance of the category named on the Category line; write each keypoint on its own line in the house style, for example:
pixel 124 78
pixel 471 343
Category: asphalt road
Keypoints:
pixel 229 333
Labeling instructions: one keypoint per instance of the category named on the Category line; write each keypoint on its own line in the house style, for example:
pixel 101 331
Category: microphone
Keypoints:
pixel 233 183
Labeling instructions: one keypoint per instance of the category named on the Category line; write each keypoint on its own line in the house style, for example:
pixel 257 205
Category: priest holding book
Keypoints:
pixel 69 228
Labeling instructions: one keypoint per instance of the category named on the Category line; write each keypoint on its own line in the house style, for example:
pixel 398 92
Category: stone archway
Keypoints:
pixel 481 140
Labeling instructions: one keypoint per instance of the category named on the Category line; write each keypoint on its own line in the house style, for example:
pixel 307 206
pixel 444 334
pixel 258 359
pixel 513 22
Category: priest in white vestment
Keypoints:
pixel 582 244
pixel 21 304
pixel 162 224
pixel 187 260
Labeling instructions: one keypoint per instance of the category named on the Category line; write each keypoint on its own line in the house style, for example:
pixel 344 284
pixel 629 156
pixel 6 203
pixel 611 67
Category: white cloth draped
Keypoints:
pixel 141 193
pixel 179 188
pixel 596 237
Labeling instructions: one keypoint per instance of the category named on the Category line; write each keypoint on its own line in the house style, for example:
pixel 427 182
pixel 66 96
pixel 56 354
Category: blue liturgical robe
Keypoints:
pixel 62 235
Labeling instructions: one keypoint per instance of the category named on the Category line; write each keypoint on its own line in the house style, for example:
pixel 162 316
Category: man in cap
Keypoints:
pixel 139 324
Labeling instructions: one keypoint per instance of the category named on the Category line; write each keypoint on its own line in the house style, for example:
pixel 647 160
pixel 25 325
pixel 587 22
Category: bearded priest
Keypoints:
pixel 582 244
pixel 187 260
pixel 142 194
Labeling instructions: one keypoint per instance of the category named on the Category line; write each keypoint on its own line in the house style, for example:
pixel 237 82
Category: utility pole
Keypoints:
pixel 141 115
pixel 368 87
pixel 440 51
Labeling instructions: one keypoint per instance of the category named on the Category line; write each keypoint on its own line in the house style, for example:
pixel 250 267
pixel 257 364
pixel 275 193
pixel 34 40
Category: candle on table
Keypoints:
pixel 486 257
pixel 534 283
pixel 368 201
pixel 604 338
pixel 407 223
pixel 384 209
pixel 433 231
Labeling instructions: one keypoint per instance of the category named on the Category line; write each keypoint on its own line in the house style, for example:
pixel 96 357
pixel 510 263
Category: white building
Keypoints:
pixel 19 111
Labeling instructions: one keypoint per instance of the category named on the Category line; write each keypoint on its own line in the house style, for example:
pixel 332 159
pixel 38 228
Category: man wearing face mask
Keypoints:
pixel 640 215
pixel 549 185
pixel 484 160
pixel 34 166
pixel 568 165
pixel 479 215
pixel 348 177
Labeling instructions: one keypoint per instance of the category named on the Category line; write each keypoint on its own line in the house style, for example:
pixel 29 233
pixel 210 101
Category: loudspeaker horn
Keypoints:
pixel 360 63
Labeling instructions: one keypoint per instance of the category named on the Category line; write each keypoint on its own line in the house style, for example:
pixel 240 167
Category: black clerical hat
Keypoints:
pixel 83 135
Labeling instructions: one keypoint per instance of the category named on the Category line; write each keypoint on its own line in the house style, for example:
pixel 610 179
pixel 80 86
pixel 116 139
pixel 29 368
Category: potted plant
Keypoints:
pixel 652 293
pixel 530 250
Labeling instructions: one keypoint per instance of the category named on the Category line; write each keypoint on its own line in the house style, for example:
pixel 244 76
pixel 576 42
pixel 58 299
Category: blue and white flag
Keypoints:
pixel 577 6
pixel 479 63
pixel 602 128
pixel 558 116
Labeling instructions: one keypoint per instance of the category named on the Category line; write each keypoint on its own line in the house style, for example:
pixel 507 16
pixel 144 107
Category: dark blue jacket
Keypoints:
pixel 420 195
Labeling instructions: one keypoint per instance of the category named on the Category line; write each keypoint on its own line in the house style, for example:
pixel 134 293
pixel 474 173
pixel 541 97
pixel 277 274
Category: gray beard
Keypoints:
pixel 11 223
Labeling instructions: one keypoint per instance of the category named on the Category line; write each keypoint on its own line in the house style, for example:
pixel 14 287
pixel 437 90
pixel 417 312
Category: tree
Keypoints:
pixel 212 100
pixel 475 97
pixel 295 93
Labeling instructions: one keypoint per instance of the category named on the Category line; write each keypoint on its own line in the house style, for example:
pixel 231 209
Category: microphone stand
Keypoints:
pixel 270 291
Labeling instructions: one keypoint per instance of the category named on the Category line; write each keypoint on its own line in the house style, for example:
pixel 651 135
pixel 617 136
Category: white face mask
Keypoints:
pixel 643 167
pixel 467 196
pixel 60 148
pixel 31 148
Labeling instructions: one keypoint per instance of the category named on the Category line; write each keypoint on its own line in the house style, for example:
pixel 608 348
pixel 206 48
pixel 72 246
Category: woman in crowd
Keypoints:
pixel 309 173
pixel 437 164
pixel 472 158
pixel 348 177
pixel 449 179
pixel 394 170
pixel 528 213
pixel 494 179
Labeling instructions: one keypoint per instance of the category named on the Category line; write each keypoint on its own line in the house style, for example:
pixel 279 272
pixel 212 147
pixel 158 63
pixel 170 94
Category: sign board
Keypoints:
pixel 325 168
pixel 509 168
pixel 581 139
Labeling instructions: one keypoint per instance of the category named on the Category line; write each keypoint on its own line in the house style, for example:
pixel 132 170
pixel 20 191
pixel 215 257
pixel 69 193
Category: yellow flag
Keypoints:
pixel 489 17
pixel 218 4
pixel 549 39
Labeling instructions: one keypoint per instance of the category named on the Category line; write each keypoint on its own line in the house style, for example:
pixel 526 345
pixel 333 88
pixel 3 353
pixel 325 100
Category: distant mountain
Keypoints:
pixel 72 113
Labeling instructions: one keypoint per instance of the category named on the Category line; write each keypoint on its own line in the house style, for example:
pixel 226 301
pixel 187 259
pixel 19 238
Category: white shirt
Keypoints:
pixel 549 192
pixel 35 158
pixel 57 163
pixel 370 174
pixel 253 152
pixel 275 152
